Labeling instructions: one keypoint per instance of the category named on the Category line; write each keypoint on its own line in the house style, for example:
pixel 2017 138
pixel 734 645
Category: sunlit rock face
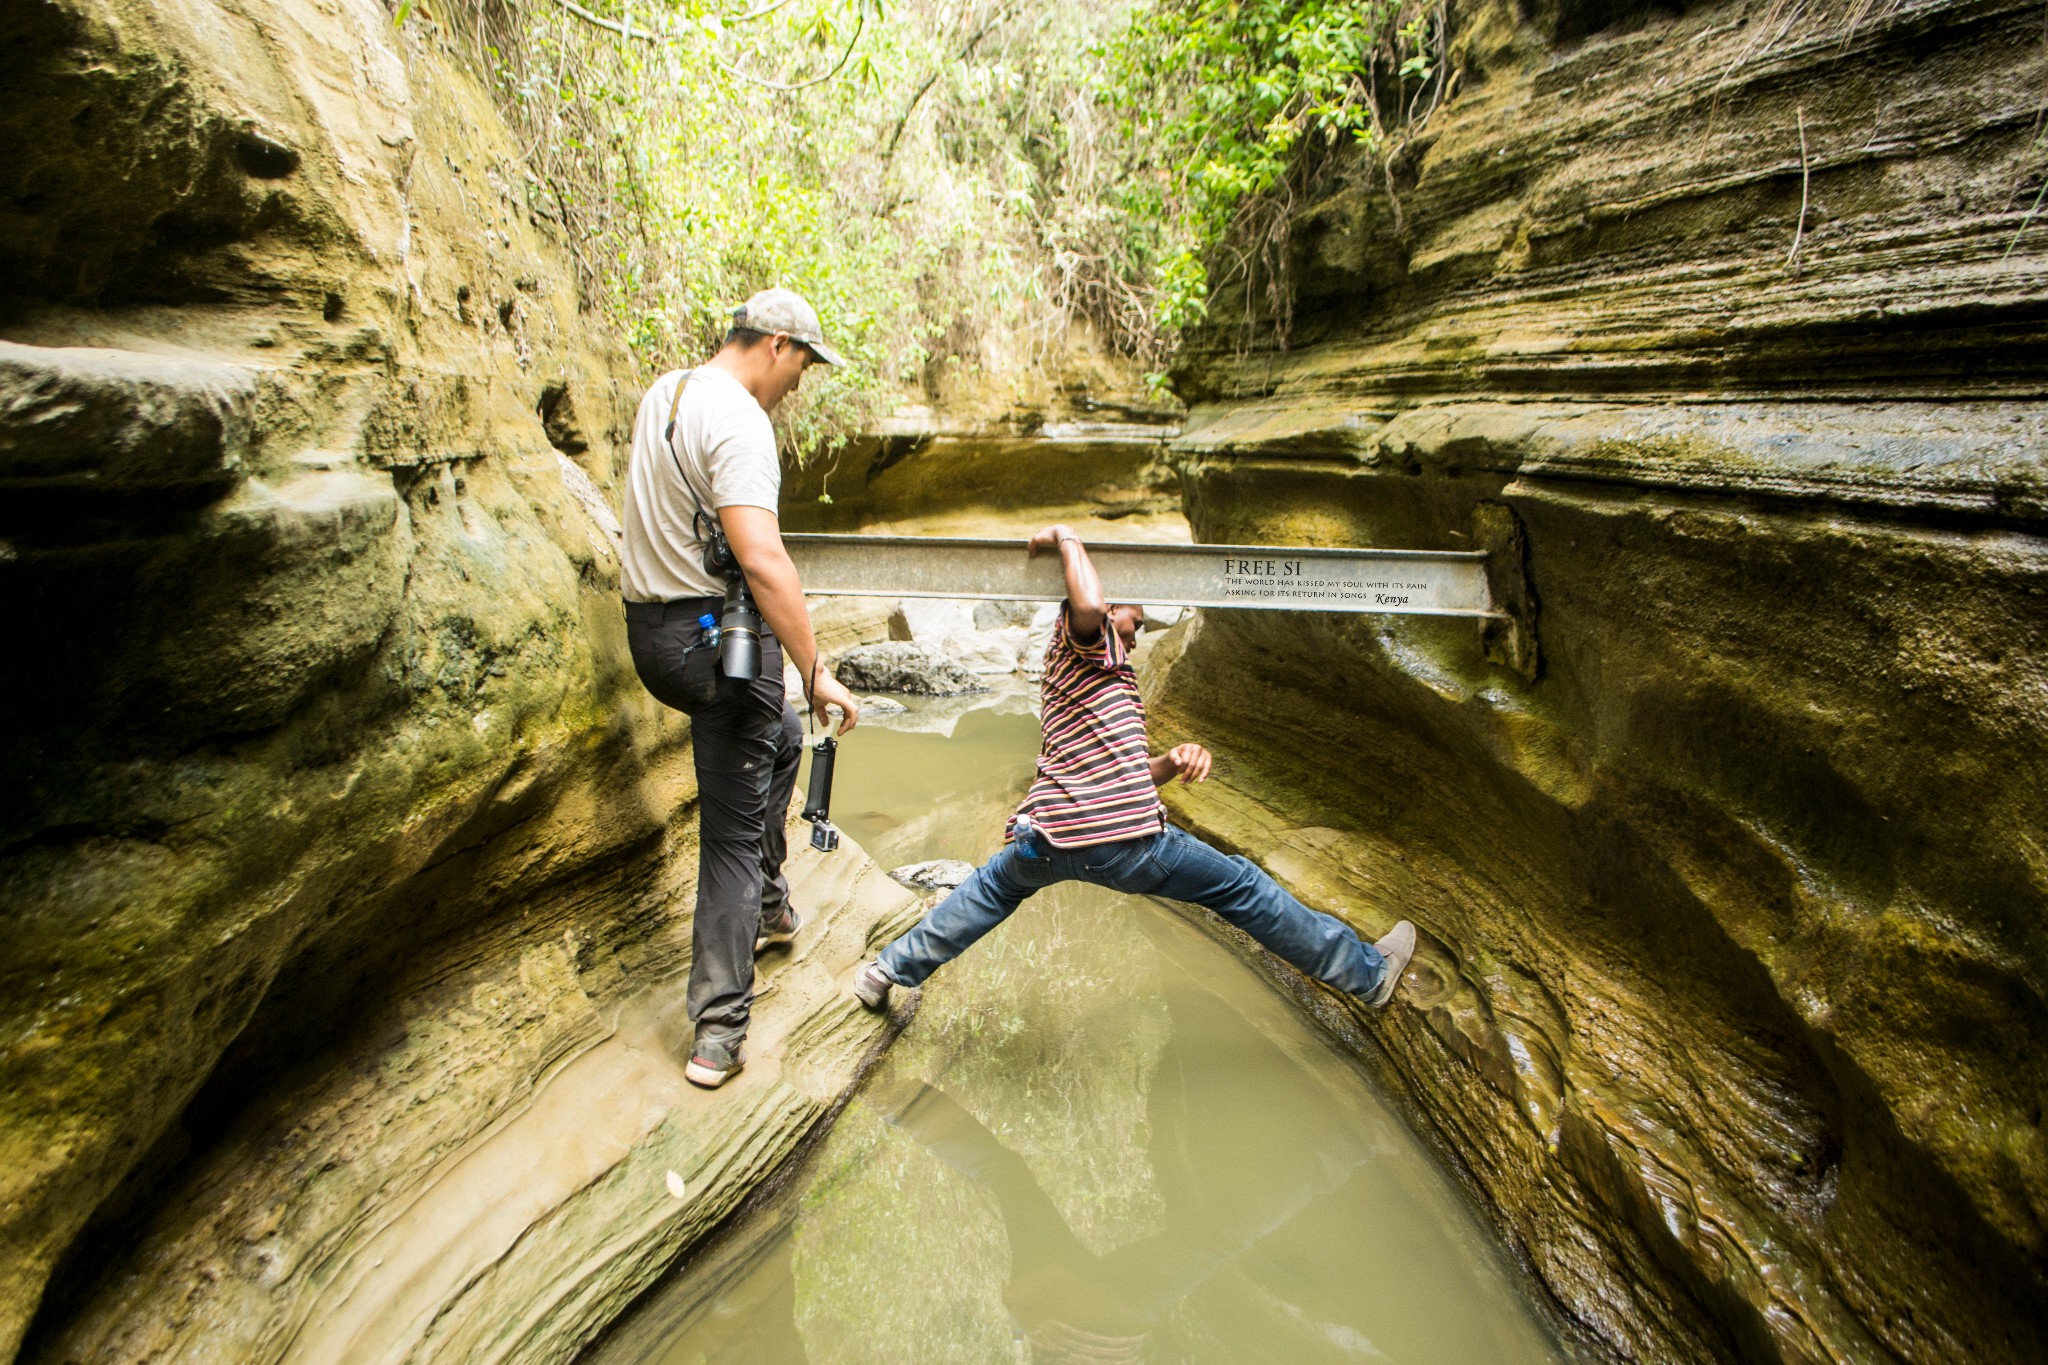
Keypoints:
pixel 338 843
pixel 1722 333
pixel 1072 431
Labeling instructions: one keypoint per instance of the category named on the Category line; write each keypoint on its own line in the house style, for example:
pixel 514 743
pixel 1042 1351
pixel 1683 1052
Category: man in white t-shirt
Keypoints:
pixel 702 442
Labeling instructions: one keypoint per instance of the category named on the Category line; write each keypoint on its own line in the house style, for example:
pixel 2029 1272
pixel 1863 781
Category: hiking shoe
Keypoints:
pixel 1398 947
pixel 712 1063
pixel 781 929
pixel 871 985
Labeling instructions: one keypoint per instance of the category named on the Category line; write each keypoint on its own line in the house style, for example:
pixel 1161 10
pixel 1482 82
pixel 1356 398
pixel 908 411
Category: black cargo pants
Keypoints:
pixel 747 745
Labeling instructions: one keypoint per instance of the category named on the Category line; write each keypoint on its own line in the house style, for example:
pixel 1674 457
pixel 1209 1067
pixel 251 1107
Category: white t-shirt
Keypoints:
pixel 726 446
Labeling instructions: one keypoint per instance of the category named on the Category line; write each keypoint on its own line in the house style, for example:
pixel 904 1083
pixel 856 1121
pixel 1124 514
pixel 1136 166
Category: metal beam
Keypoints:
pixel 1261 577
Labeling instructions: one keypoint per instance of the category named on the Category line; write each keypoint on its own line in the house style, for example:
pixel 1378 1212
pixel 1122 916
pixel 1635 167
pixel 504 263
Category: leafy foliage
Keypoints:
pixel 951 182
pixel 901 195
pixel 1229 106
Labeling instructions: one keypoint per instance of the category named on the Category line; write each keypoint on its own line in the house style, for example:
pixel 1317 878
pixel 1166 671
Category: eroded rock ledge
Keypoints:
pixel 1730 866
pixel 1076 434
pixel 345 866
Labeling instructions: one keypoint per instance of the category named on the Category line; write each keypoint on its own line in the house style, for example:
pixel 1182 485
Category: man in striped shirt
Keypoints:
pixel 1094 815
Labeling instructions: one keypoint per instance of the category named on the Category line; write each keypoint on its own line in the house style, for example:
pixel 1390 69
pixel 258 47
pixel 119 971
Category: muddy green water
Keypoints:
pixel 1103 1138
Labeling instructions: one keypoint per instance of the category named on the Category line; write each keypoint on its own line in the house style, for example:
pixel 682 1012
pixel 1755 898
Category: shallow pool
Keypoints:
pixel 1103 1138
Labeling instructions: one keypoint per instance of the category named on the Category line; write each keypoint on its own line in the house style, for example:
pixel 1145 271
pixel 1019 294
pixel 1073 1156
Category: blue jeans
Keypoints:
pixel 1172 863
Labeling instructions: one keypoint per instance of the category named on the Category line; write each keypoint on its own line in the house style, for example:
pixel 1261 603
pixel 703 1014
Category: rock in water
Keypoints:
pixel 979 640
pixel 996 615
pixel 899 666
pixel 941 874
pixel 1043 622
pixel 881 706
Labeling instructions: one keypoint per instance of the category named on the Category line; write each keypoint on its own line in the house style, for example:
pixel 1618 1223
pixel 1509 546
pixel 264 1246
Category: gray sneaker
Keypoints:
pixel 713 1063
pixel 871 985
pixel 1398 947
pixel 781 929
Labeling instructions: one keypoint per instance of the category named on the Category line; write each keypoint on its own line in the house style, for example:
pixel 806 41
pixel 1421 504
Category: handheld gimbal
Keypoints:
pixel 818 803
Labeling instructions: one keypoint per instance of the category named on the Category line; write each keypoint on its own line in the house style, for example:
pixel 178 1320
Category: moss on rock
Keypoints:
pixel 1732 999
pixel 337 831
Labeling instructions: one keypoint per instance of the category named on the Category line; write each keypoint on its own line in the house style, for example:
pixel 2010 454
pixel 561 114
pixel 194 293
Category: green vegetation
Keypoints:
pixel 1230 108
pixel 953 182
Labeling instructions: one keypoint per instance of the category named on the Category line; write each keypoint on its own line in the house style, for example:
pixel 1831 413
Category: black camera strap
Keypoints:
pixel 702 523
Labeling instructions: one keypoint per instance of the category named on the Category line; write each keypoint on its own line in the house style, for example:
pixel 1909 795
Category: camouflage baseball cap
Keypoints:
pixel 784 310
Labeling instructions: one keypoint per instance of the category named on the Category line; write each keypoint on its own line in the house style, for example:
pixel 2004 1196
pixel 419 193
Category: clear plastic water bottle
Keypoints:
pixel 709 625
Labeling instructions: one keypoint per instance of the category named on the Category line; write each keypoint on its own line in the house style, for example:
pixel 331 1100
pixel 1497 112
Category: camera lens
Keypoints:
pixel 739 633
pixel 739 648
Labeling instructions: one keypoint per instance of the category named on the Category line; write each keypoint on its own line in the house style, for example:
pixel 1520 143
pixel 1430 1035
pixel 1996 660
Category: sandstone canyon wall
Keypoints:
pixel 343 860
pixel 1723 332
pixel 1075 433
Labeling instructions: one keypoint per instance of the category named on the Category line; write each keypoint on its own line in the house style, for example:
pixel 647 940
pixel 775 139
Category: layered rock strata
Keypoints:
pixel 344 863
pixel 1078 435
pixel 501 1163
pixel 1723 333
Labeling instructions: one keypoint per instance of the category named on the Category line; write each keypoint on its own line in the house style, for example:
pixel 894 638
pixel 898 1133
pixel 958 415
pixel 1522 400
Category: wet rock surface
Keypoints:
pixel 967 633
pixel 1723 841
pixel 941 874
pixel 900 666
pixel 363 1214
pixel 341 854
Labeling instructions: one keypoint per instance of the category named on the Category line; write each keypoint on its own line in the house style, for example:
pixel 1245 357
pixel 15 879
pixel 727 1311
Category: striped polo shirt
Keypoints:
pixel 1094 781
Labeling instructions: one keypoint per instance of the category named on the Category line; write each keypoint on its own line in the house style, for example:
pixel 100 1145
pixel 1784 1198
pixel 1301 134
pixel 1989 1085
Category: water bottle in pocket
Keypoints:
pixel 700 673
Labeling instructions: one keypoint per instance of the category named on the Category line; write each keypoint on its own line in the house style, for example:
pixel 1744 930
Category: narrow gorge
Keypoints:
pixel 346 866
pixel 1727 843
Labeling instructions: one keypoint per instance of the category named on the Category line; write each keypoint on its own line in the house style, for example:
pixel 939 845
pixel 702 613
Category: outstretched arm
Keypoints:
pixel 1086 611
pixel 1189 762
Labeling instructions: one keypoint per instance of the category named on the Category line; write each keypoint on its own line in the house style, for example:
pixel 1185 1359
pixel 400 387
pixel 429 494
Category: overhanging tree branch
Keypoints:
pixel 966 51
pixel 753 14
pixel 837 67
pixel 624 30
pixel 656 37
